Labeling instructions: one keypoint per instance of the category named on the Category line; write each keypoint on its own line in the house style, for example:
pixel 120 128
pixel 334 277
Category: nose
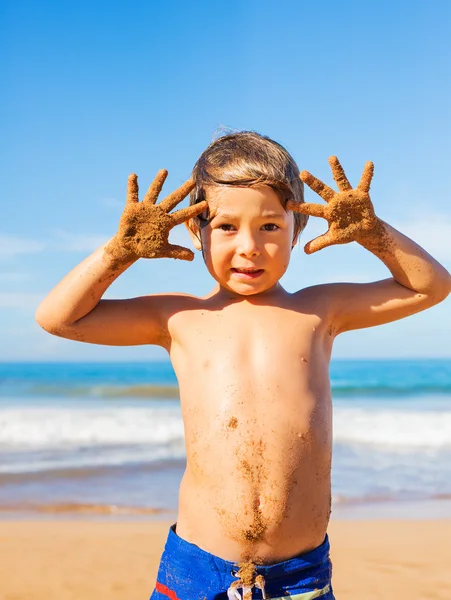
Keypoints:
pixel 247 244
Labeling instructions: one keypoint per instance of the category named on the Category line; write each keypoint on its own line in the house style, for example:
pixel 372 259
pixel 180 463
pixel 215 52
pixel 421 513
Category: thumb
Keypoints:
pixel 174 251
pixel 318 243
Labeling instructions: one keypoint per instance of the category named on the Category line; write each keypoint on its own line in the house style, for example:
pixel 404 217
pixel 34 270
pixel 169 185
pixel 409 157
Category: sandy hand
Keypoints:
pixel 349 212
pixel 144 226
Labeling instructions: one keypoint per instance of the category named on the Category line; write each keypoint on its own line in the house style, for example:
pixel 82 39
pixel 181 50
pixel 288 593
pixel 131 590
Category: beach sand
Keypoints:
pixel 118 560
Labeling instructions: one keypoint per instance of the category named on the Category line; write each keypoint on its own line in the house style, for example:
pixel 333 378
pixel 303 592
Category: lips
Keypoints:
pixel 247 274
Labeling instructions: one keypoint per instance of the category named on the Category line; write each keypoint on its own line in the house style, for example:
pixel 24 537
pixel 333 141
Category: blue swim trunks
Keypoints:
pixel 187 572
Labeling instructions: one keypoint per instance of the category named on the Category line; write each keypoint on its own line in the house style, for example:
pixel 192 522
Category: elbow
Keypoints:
pixel 445 288
pixel 441 289
pixel 448 285
pixel 48 324
pixel 40 317
pixel 53 322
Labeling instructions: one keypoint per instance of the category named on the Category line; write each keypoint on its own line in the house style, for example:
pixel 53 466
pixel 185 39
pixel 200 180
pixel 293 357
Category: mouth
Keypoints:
pixel 247 273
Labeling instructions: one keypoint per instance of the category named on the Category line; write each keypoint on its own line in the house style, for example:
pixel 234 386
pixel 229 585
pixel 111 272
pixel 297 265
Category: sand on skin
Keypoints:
pixel 94 560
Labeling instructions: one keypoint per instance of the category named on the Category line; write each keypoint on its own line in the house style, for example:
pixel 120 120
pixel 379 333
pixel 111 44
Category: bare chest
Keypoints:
pixel 240 360
pixel 263 336
pixel 256 407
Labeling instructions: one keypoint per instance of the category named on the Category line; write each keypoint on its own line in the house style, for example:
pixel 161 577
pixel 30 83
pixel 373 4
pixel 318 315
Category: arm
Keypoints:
pixel 74 309
pixel 418 282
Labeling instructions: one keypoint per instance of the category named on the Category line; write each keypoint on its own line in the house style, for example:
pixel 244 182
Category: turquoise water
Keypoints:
pixel 348 377
pixel 111 435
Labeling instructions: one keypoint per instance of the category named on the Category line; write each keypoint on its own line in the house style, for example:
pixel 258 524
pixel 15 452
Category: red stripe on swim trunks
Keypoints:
pixel 166 591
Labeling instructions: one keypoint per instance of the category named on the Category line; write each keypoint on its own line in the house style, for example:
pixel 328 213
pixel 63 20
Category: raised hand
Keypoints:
pixel 144 226
pixel 349 212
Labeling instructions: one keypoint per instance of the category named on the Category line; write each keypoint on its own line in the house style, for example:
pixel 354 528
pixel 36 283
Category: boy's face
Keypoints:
pixel 249 229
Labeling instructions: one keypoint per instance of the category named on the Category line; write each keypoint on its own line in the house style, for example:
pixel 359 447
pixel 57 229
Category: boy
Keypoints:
pixel 251 359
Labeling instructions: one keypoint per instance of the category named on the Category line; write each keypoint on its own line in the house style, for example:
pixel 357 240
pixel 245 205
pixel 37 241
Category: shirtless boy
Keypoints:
pixel 251 359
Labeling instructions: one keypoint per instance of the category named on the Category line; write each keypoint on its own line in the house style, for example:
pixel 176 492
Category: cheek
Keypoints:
pixel 218 243
pixel 215 251
pixel 281 248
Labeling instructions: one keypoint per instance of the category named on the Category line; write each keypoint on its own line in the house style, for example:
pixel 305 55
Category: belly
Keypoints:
pixel 257 484
pixel 258 436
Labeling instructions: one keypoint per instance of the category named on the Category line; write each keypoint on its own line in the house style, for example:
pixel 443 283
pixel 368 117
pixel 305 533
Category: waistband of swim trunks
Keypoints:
pixel 182 549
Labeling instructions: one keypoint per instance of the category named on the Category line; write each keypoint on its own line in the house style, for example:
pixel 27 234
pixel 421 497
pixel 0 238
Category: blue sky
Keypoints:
pixel 93 91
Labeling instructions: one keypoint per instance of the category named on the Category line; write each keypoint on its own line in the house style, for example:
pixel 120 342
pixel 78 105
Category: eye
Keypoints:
pixel 267 226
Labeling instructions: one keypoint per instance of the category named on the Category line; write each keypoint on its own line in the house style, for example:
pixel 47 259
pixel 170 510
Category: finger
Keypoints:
pixel 319 243
pixel 307 208
pixel 182 215
pixel 155 187
pixel 173 199
pixel 367 176
pixel 180 252
pixel 339 175
pixel 132 189
pixel 317 186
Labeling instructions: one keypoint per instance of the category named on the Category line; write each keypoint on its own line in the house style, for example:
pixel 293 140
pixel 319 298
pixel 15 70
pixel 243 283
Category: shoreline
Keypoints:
pixel 389 509
pixel 100 560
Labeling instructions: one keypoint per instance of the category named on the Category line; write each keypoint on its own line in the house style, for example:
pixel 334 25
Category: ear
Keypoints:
pixel 295 240
pixel 194 233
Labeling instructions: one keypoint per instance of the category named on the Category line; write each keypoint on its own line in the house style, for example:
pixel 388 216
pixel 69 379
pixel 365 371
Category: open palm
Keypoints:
pixel 144 226
pixel 349 212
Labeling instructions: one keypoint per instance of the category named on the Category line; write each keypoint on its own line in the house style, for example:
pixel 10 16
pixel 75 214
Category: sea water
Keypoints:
pixel 108 438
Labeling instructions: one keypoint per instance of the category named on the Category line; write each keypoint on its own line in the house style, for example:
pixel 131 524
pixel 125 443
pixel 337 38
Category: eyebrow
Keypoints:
pixel 264 215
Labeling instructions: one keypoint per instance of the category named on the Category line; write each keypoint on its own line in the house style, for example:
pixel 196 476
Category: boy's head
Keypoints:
pixel 246 177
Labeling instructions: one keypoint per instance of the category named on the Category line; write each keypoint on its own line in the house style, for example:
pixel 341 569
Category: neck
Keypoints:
pixel 222 293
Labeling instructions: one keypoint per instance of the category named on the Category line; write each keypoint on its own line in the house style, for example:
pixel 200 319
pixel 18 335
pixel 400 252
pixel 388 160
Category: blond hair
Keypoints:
pixel 248 159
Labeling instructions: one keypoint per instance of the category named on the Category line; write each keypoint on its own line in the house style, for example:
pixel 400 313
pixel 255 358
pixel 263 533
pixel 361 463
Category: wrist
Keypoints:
pixel 118 254
pixel 374 237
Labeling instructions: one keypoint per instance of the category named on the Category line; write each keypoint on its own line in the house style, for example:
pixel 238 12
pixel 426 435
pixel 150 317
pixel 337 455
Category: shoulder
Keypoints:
pixel 179 304
pixel 359 305
pixel 322 295
pixel 320 302
pixel 183 314
pixel 175 302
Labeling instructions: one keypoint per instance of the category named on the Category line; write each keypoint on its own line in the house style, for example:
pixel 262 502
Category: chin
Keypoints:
pixel 247 291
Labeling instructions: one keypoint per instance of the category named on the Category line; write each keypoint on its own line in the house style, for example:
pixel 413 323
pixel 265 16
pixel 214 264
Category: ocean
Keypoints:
pixel 107 439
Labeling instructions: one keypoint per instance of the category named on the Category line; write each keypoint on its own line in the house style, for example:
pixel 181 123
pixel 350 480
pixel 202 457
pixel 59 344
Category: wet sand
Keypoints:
pixel 118 560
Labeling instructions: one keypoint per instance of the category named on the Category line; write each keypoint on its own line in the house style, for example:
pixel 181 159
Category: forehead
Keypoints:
pixel 243 200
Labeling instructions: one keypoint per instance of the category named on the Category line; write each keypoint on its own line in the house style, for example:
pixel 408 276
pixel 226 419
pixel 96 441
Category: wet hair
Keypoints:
pixel 248 159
